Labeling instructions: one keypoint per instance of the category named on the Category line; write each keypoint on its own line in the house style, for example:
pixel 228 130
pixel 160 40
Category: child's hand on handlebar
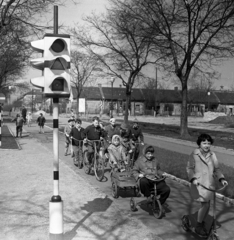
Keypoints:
pixel 224 182
pixel 195 182
pixel 141 175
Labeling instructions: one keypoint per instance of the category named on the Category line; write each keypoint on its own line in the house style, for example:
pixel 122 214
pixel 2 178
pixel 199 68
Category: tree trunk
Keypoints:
pixel 128 97
pixel 77 106
pixel 184 116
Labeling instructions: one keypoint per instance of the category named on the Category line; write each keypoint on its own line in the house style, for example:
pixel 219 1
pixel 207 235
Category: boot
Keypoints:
pixel 199 230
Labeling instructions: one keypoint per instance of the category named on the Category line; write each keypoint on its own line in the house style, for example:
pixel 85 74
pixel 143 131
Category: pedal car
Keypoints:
pixel 123 181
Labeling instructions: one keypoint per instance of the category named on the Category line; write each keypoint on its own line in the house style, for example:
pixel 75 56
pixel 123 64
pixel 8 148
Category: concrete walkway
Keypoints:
pixel 26 178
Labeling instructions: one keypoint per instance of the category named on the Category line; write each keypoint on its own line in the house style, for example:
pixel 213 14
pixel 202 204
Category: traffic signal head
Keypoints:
pixel 55 65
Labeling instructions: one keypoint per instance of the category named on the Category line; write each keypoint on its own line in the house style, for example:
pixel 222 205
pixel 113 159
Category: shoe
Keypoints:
pixel 199 230
pixel 204 227
pixel 65 154
pixel 149 200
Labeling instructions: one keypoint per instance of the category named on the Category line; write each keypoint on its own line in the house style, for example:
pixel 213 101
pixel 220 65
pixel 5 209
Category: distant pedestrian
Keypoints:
pixel 67 131
pixel 41 122
pixel 29 119
pixel 72 115
pixel 24 113
pixel 19 121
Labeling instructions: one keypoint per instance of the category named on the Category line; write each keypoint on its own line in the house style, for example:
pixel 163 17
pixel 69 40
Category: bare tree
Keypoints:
pixel 19 21
pixel 195 33
pixel 115 40
pixel 83 66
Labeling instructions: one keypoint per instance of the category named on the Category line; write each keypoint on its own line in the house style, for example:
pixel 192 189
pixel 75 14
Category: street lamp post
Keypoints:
pixel 208 93
pixel 32 101
pixel 112 107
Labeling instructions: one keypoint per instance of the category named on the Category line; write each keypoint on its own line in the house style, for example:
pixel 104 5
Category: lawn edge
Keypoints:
pixel 227 200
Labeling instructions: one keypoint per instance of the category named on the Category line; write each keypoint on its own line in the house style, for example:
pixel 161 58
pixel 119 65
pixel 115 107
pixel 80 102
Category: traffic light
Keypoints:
pixel 55 64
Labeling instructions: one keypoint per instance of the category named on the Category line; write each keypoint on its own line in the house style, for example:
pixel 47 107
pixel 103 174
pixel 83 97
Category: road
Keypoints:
pixel 179 202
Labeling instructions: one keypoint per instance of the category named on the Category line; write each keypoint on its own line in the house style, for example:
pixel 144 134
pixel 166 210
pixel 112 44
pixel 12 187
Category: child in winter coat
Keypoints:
pixel 117 156
pixel 202 167
pixel 19 121
pixel 41 122
pixel 29 119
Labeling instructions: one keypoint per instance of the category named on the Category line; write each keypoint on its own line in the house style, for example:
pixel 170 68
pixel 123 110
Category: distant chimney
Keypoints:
pixel 176 88
pixel 120 85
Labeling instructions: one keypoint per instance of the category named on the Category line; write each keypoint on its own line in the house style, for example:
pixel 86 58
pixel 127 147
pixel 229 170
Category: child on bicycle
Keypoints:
pixel 92 132
pixel 202 167
pixel 117 156
pixel 148 165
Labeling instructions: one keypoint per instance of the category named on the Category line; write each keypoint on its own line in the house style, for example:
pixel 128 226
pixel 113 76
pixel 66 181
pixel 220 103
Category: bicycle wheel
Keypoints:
pixel 133 205
pixel 185 223
pixel 80 161
pixel 213 236
pixel 98 167
pixel 157 208
pixel 86 163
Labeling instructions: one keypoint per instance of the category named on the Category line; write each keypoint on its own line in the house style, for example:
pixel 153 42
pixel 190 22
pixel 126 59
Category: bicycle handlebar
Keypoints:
pixel 212 190
pixel 155 179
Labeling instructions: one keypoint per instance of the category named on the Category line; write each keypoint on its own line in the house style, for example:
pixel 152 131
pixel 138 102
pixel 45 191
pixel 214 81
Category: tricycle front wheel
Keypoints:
pixel 115 193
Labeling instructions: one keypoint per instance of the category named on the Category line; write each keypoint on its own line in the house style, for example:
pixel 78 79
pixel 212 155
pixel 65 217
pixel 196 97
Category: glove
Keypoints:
pixel 141 175
pixel 195 182
pixel 224 182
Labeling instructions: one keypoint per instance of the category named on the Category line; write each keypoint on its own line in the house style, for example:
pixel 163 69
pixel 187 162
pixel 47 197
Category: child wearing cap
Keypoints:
pixel 67 131
pixel 148 165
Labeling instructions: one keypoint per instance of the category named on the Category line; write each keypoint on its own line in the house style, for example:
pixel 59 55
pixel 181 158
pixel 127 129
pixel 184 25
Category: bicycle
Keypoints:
pixel 97 160
pixel 78 163
pixel 132 159
pixel 187 224
pixel 156 205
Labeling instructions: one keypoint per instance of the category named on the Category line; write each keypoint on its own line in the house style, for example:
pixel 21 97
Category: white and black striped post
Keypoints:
pixel 56 203
pixel 0 124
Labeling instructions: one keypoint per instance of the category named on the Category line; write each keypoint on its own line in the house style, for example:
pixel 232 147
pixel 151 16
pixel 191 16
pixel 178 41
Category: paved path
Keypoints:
pixel 26 188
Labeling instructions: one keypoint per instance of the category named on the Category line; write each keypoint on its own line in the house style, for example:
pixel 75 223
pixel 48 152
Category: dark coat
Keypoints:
pixel 41 121
pixel 146 167
pixel 111 131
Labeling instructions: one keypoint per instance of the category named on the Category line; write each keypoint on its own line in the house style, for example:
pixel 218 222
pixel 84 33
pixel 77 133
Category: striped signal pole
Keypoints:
pixel 2 100
pixel 56 203
pixel 0 124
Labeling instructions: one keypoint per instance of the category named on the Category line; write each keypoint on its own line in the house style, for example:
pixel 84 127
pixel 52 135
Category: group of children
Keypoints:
pixel 202 165
pixel 118 141
pixel 20 120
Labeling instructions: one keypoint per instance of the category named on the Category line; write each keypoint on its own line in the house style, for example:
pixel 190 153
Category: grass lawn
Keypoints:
pixel 8 141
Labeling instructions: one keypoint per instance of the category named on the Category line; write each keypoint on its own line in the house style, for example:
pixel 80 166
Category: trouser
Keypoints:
pixel 162 189
pixel 19 130
pixel 90 150
pixel 77 153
